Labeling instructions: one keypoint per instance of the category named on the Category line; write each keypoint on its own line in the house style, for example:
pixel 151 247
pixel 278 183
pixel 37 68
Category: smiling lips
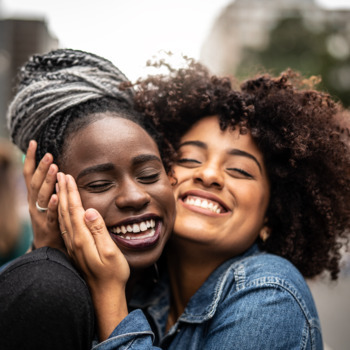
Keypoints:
pixel 204 203
pixel 135 231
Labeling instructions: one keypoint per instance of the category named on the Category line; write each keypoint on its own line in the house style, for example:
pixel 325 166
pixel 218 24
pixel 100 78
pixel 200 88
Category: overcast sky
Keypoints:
pixel 128 32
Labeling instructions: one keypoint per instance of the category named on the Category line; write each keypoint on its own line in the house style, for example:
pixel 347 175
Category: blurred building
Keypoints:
pixel 253 36
pixel 248 24
pixel 19 38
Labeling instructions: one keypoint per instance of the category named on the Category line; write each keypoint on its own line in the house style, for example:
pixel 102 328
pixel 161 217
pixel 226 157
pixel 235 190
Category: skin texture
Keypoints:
pixel 40 182
pixel 203 239
pixel 225 168
pixel 125 187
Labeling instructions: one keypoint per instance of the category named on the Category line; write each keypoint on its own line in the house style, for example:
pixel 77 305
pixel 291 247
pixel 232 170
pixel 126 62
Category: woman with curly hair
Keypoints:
pixel 263 201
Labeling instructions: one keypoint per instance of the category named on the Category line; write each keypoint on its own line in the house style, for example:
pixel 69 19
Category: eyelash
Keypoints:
pixel 99 187
pixel 190 160
pixel 243 172
pixel 150 178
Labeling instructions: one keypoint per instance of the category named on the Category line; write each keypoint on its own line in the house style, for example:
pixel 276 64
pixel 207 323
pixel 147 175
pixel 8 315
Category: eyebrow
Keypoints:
pixel 238 152
pixel 199 144
pixel 99 168
pixel 143 158
pixel 233 151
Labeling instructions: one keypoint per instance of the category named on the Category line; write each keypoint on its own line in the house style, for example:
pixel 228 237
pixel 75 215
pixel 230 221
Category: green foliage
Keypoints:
pixel 324 52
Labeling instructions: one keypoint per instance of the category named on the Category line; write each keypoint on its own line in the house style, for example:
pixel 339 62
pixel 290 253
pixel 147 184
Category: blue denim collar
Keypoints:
pixel 202 305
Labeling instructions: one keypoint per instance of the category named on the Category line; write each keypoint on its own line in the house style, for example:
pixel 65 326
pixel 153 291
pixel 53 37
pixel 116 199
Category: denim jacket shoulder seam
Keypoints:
pixel 283 284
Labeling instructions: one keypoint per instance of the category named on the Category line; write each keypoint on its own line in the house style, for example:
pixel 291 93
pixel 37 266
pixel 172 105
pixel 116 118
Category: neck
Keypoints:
pixel 189 267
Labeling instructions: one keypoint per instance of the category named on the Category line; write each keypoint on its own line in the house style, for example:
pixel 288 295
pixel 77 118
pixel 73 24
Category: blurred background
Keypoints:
pixel 239 38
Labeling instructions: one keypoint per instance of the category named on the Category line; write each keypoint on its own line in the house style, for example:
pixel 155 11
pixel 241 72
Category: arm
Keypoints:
pixel 40 183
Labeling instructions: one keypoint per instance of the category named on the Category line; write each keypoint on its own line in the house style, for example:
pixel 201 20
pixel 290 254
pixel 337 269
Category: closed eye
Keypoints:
pixel 98 186
pixel 240 172
pixel 149 179
pixel 188 162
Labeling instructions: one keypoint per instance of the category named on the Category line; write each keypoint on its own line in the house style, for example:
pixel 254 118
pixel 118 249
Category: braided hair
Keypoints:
pixel 60 91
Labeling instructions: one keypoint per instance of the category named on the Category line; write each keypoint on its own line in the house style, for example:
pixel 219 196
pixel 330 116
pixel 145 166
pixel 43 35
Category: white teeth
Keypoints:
pixel 197 202
pixel 139 236
pixel 205 204
pixel 134 228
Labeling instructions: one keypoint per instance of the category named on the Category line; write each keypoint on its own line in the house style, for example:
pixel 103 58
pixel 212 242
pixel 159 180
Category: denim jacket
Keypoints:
pixel 254 301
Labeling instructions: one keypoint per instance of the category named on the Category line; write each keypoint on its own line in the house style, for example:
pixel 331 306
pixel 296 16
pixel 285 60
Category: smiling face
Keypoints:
pixel 222 191
pixel 118 170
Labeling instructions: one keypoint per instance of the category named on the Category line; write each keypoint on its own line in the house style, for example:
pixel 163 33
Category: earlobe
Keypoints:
pixel 172 178
pixel 265 233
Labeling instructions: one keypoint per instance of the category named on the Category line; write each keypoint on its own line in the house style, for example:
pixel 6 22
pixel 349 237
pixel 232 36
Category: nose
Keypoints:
pixel 209 175
pixel 132 196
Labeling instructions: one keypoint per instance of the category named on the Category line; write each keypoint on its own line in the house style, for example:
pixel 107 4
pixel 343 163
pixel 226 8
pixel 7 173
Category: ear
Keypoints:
pixel 172 178
pixel 265 233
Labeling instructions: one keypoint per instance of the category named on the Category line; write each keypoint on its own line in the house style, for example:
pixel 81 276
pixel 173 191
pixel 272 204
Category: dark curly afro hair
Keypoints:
pixel 303 136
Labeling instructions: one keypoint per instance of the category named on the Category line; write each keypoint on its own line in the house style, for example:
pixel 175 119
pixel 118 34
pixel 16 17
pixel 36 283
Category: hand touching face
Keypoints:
pixel 118 171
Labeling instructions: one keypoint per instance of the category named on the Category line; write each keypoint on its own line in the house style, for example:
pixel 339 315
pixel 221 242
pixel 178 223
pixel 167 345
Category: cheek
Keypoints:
pixel 181 173
pixel 96 201
pixel 163 195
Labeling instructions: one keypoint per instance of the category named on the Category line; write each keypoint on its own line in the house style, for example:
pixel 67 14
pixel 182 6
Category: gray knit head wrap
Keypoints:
pixel 53 83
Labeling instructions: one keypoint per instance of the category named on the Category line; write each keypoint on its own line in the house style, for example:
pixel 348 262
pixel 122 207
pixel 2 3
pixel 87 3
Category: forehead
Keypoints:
pixel 109 137
pixel 208 130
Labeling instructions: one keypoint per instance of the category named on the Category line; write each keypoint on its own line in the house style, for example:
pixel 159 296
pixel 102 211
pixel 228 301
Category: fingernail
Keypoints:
pixel 54 199
pixel 52 169
pixel 46 158
pixel 91 215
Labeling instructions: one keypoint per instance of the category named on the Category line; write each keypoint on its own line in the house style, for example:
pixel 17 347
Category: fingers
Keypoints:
pixel 63 212
pixel 29 163
pixel 40 181
pixel 47 186
pixel 52 213
pixel 105 245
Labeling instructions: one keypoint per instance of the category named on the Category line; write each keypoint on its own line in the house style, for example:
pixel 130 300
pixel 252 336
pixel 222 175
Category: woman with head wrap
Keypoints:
pixel 72 103
pixel 263 200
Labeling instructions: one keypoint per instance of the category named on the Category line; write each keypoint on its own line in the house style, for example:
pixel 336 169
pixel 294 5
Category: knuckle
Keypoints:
pixel 97 227
pixel 32 186
pixel 109 253
pixel 78 243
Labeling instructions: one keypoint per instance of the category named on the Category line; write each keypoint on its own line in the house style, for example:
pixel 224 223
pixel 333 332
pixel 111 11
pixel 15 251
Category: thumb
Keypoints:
pixel 105 245
pixel 94 222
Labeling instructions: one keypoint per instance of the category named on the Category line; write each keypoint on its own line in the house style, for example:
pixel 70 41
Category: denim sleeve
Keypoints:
pixel 268 316
pixel 124 336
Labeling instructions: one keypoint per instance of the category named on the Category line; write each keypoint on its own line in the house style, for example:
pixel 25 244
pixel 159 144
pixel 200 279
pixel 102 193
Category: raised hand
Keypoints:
pixel 43 203
pixel 102 264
